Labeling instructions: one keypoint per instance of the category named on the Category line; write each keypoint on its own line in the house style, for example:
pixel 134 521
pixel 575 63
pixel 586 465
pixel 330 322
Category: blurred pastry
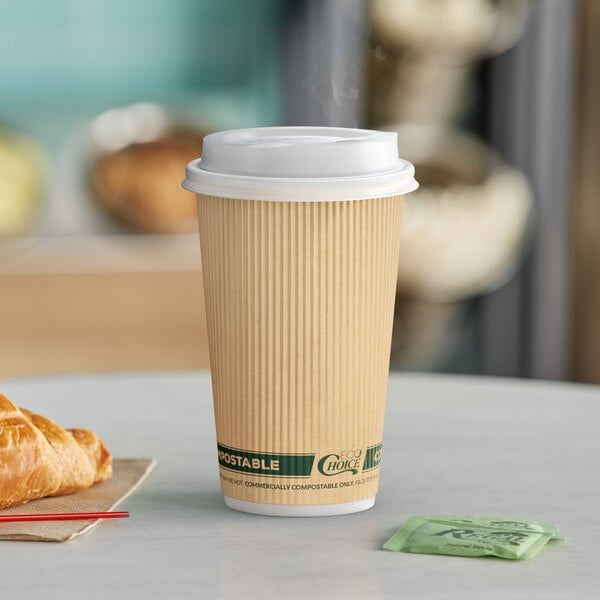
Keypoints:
pixel 22 172
pixel 141 183
pixel 140 153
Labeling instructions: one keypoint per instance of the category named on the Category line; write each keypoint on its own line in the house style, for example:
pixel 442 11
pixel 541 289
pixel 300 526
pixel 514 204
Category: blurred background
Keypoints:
pixel 495 102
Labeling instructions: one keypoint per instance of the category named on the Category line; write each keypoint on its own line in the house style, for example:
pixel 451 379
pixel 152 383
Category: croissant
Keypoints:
pixel 39 458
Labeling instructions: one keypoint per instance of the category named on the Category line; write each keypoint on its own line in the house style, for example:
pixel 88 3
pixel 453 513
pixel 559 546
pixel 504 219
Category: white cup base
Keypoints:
pixel 313 510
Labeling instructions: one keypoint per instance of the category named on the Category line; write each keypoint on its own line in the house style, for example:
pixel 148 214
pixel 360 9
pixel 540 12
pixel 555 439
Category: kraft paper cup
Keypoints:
pixel 300 236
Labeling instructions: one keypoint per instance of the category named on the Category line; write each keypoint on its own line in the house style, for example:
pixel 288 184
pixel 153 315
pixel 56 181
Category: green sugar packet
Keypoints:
pixel 515 539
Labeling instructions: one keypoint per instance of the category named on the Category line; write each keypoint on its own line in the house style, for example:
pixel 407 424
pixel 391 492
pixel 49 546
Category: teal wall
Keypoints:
pixel 76 57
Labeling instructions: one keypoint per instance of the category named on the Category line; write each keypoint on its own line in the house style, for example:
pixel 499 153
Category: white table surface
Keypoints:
pixel 453 445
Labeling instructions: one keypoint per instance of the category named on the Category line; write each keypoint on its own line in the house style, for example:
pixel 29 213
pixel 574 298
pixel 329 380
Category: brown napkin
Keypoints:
pixel 128 474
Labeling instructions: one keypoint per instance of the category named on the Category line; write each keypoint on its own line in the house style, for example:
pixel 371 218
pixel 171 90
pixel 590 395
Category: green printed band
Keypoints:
pixel 372 457
pixel 259 463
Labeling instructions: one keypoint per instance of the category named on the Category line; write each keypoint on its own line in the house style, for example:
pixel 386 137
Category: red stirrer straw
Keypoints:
pixel 83 516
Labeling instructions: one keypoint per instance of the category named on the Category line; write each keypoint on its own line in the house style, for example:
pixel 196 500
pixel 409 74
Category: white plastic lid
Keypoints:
pixel 300 164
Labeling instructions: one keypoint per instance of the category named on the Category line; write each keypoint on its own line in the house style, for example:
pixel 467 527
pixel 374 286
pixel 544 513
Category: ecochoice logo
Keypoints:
pixel 350 461
pixel 260 463
pixel 346 461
